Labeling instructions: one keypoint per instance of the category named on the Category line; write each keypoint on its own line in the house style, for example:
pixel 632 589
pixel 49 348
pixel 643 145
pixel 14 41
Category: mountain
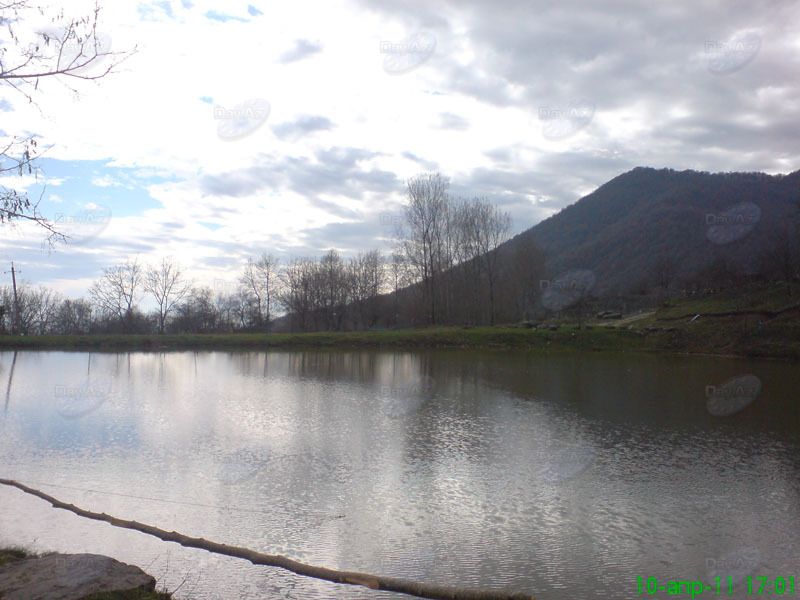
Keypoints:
pixel 625 228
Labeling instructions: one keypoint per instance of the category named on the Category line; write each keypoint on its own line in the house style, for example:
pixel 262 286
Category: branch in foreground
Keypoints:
pixel 374 582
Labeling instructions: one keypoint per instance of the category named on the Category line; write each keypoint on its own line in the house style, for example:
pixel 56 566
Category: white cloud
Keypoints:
pixel 106 181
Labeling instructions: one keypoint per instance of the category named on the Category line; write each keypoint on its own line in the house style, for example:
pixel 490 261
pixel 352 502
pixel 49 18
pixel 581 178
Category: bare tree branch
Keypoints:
pixel 115 292
pixel 64 50
pixel 167 285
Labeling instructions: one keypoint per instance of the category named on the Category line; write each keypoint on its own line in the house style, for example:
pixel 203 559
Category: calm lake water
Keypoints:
pixel 565 476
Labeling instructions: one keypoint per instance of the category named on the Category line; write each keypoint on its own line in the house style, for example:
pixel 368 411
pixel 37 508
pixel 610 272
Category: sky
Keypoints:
pixel 239 128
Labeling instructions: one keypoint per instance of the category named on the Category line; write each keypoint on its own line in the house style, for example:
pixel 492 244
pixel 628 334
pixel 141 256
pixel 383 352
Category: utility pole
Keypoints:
pixel 16 300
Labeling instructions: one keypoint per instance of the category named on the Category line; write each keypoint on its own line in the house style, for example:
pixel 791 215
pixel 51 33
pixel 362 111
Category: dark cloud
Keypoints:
pixel 428 165
pixel 451 121
pixel 302 49
pixel 294 130
pixel 349 237
pixel 644 66
pixel 335 172
pixel 414 14
pixel 172 225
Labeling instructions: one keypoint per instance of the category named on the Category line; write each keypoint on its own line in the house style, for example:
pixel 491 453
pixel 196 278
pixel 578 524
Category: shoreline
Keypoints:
pixel 756 323
pixel 720 339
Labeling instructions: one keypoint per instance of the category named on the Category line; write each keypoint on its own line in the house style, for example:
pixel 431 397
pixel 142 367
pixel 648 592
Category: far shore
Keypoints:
pixel 722 336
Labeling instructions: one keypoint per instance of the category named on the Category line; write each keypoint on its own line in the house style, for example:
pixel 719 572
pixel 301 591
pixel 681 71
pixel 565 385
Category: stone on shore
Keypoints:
pixel 69 577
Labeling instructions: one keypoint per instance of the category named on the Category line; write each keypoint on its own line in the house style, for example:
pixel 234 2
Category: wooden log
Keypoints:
pixel 374 582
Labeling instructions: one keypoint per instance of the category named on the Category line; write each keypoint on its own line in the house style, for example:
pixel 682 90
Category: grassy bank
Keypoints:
pixel 440 337
pixel 765 323
pixel 13 554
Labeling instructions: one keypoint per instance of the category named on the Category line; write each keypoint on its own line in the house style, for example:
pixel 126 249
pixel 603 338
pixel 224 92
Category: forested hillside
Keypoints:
pixel 647 222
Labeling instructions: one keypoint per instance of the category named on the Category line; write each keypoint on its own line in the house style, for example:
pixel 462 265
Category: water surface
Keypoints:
pixel 565 476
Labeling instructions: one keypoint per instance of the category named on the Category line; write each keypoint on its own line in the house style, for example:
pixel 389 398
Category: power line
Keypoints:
pixel 67 487
pixel 368 580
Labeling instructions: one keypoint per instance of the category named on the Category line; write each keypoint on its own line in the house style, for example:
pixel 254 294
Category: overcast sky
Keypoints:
pixel 291 127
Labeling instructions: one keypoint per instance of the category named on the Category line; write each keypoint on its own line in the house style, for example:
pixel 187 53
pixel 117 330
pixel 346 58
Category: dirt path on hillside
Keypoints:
pixel 626 320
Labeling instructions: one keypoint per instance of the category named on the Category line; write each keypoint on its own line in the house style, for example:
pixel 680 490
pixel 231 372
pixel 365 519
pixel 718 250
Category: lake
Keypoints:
pixel 566 476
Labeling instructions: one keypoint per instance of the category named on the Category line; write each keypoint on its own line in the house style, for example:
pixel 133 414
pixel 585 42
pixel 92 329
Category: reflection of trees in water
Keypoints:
pixel 10 379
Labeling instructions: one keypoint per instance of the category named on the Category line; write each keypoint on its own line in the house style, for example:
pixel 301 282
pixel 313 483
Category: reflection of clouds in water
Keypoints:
pixel 77 400
pixel 408 398
pixel 241 465
pixel 562 464
pixel 408 563
pixel 286 589
pixel 238 461
pixel 320 469
pixel 431 477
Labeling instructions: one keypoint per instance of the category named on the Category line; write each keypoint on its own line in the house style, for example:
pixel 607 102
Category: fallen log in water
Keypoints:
pixel 374 582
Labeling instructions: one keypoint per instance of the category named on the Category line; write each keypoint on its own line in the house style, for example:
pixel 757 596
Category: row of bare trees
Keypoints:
pixel 445 269
pixel 115 293
pixel 334 295
pixel 450 246
pixel 329 294
pixel 42 311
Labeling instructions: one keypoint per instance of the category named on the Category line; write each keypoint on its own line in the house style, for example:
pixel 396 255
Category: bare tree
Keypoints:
pixel 242 307
pixel 166 283
pixel 331 290
pixel 22 316
pixel 260 280
pixel 45 309
pixel 482 228
pixel 250 281
pixel 422 231
pixel 296 292
pixel 398 274
pixel 367 277
pixel 62 50
pixel 198 313
pixel 73 317
pixel 225 304
pixel 463 280
pixel 495 230
pixel 452 247
pixel 525 268
pixel 268 266
pixel 115 292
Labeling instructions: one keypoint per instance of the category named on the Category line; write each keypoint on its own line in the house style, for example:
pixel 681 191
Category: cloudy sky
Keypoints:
pixel 243 127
